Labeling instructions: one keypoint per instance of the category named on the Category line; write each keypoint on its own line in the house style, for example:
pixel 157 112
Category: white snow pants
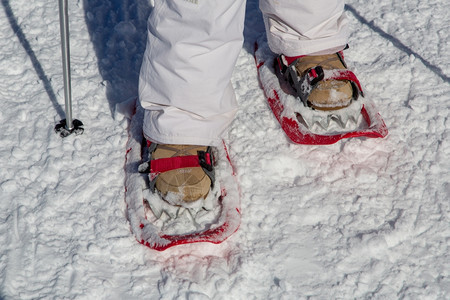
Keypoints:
pixel 193 45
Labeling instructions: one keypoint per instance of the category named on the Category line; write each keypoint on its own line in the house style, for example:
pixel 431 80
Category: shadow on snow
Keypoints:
pixel 118 32
pixel 34 60
pixel 397 43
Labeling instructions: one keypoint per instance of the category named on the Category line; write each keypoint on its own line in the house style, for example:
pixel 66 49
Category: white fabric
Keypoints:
pixel 305 27
pixel 185 76
pixel 191 51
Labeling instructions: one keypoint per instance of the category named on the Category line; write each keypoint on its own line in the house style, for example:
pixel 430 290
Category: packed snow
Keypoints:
pixel 363 218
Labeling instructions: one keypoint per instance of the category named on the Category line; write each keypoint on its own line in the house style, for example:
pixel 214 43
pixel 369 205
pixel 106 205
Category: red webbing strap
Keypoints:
pixel 291 59
pixel 343 75
pixel 162 165
pixel 171 163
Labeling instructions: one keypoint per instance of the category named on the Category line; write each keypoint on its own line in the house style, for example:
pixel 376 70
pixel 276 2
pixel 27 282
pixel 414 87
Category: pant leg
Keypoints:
pixel 303 27
pixel 184 83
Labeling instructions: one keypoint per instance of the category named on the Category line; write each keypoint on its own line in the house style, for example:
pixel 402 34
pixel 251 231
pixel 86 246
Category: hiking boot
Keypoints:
pixel 183 170
pixel 319 80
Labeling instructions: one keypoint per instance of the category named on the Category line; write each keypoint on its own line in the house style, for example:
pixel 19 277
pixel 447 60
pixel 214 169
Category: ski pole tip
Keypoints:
pixel 63 130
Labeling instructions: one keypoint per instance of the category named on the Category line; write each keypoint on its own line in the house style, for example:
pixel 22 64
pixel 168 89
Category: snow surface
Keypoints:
pixel 364 218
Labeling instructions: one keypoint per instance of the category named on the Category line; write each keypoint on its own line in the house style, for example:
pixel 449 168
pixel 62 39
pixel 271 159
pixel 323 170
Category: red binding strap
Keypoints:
pixel 343 75
pixel 291 59
pixel 162 165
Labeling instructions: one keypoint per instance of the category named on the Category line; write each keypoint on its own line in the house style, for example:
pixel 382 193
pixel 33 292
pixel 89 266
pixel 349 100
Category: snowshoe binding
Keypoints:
pixel 184 173
pixel 316 99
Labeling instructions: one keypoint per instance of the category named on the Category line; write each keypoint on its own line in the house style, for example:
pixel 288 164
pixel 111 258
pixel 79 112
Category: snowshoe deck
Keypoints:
pixel 299 122
pixel 216 223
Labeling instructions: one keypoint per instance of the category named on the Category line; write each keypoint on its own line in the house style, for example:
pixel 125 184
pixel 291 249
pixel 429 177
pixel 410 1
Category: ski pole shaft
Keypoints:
pixel 65 49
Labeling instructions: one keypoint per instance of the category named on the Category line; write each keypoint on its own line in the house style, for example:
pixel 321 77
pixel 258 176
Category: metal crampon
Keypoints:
pixel 319 121
pixel 171 213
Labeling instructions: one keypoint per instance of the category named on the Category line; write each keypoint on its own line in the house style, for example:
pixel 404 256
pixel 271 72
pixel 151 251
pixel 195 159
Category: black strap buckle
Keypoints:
pixel 315 75
pixel 205 160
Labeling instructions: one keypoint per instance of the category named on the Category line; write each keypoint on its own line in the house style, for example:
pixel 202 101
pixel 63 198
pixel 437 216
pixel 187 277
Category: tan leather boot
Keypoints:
pixel 329 94
pixel 190 183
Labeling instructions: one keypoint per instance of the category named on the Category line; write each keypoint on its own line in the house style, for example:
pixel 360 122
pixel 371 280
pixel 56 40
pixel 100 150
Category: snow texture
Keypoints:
pixel 363 218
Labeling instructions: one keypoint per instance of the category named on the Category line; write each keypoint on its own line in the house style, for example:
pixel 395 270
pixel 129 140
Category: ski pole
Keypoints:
pixel 68 125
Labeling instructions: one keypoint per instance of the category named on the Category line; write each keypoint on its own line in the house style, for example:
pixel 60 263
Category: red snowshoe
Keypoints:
pixel 302 122
pixel 158 224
